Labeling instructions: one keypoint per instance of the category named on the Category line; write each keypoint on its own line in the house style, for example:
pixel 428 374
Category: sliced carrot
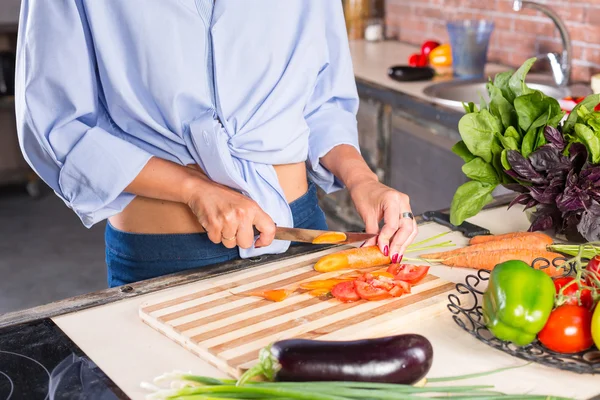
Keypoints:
pixel 319 292
pixel 512 235
pixel 322 284
pixel 273 295
pixel 489 259
pixel 362 257
pixel 330 237
pixel 538 242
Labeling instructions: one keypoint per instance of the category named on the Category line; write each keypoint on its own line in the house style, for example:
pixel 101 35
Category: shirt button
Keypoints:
pixel 206 137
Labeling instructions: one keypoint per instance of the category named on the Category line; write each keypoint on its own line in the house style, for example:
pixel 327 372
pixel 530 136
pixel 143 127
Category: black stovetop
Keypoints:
pixel 39 361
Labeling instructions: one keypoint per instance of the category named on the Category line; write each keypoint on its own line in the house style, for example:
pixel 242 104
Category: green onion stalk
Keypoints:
pixel 186 386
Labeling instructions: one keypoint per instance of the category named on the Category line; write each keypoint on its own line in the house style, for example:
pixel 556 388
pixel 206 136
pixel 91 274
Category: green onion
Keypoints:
pixel 204 388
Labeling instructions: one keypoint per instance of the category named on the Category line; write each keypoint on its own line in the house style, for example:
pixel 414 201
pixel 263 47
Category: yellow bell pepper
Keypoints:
pixel 441 56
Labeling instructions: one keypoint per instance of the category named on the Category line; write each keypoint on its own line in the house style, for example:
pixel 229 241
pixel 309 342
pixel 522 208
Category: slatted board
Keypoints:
pixel 219 321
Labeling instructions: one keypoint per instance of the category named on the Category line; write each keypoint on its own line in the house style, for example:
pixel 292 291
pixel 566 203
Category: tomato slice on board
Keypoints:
pixel 408 273
pixel 405 286
pixel 396 291
pixel 345 292
pixel 370 292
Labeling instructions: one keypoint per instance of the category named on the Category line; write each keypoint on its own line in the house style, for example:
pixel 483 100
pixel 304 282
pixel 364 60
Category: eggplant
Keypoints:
pixel 404 73
pixel 403 359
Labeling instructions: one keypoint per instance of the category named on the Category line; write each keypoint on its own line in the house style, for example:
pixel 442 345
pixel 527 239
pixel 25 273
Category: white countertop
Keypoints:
pixel 130 352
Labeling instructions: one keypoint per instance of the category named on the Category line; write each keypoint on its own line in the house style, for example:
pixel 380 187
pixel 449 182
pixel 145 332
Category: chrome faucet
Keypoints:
pixel 559 63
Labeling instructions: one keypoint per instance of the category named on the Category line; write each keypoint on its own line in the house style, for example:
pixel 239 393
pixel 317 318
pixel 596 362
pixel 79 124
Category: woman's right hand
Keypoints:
pixel 229 217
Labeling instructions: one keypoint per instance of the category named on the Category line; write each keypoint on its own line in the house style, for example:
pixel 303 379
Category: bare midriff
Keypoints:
pixel 145 215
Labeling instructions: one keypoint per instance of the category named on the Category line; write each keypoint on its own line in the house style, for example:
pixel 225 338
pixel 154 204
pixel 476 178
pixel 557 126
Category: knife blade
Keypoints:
pixel 466 228
pixel 319 237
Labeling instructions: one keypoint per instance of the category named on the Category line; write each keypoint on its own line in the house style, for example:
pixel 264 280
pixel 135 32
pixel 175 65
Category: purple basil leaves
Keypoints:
pixel 554 137
pixel 523 168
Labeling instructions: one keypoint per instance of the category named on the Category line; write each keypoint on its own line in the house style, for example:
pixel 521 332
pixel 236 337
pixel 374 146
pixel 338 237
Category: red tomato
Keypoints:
pixel 345 292
pixel 404 285
pixel 386 285
pixel 370 292
pixel 428 46
pixel 417 60
pixel 568 330
pixel 571 292
pixel 594 267
pixel 408 273
pixel 396 291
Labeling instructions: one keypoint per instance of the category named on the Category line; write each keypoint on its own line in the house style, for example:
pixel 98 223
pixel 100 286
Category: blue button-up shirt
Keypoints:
pixel 235 86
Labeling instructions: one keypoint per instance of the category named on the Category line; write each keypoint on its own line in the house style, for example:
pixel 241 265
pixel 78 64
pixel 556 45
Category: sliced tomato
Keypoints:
pixel 405 286
pixel 378 283
pixel 396 291
pixel 370 292
pixel 412 274
pixel 345 292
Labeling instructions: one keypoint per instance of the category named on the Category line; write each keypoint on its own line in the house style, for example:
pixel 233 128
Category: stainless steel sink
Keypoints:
pixel 454 93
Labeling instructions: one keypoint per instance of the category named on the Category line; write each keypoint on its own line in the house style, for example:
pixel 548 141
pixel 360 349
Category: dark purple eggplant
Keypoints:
pixel 404 359
pixel 404 73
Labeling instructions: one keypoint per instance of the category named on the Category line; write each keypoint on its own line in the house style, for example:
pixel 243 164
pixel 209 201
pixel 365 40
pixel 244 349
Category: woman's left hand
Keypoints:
pixel 374 201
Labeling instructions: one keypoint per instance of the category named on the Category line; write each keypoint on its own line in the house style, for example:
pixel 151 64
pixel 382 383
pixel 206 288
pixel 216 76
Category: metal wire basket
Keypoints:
pixel 467 313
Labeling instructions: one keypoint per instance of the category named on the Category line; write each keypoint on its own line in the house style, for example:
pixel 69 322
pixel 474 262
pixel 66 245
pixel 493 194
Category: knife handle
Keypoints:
pixel 466 228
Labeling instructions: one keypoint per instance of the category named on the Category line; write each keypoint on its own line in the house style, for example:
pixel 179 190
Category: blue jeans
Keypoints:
pixel 132 257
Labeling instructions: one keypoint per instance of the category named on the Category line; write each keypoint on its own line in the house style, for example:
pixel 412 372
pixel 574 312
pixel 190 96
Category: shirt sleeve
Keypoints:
pixel 59 113
pixel 332 107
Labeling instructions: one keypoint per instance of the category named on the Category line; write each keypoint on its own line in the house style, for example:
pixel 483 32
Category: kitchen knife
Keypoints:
pixel 466 228
pixel 319 237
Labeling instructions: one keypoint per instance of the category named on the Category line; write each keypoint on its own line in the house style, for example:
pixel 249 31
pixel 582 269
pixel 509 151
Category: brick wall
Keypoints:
pixel 516 37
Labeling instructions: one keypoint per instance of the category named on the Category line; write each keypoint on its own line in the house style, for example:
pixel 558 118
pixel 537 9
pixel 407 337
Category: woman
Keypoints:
pixel 188 122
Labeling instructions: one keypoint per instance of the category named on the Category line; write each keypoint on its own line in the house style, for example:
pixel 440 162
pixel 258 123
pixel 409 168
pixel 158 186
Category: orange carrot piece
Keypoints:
pixel 322 284
pixel 361 257
pixel 330 237
pixel 489 259
pixel 512 235
pixel 528 242
pixel 319 292
pixel 273 295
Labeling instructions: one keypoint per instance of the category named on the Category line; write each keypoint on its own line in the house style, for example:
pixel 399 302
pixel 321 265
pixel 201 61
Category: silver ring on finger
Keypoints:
pixel 408 215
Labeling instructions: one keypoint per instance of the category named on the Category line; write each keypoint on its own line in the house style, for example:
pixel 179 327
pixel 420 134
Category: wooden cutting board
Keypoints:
pixel 218 320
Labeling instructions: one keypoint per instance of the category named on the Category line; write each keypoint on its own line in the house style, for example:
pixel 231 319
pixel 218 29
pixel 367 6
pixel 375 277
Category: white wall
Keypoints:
pixel 9 11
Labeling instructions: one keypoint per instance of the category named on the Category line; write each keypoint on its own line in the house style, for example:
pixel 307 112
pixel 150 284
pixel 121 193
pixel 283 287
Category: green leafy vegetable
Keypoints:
pixel 470 107
pixel 469 199
pixel 591 141
pixel 479 170
pixel 516 82
pixel 590 102
pixel 478 131
pixel 461 150
pixel 533 106
pixel 501 107
pixel 501 82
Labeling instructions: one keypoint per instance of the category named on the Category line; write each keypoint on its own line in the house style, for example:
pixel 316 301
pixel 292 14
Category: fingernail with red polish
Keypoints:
pixel 400 259
pixel 386 251
pixel 395 258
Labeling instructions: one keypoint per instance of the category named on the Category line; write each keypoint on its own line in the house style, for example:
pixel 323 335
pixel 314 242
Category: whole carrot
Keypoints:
pixel 362 257
pixel 522 242
pixel 489 259
pixel 512 235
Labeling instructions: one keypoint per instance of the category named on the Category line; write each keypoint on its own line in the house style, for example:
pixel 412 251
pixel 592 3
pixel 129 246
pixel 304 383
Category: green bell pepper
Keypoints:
pixel 517 302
